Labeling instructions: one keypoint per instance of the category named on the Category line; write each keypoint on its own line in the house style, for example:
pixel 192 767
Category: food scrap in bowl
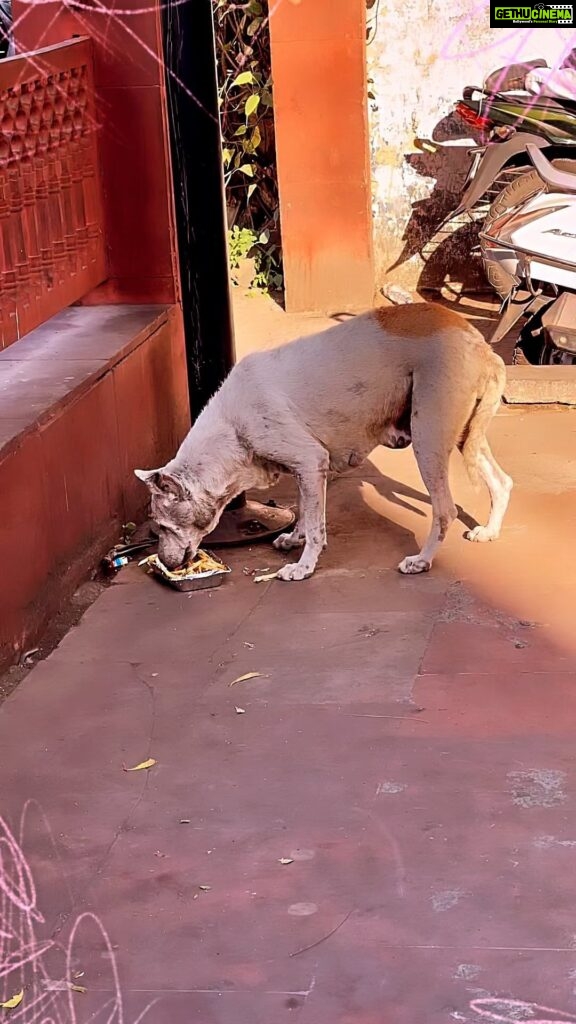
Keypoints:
pixel 202 572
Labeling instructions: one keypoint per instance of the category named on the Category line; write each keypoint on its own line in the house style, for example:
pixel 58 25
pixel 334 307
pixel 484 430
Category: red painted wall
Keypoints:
pixel 131 137
pixel 63 504
pixel 320 108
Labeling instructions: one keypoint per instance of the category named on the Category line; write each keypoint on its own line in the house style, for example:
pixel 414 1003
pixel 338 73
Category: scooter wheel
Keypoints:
pixel 515 193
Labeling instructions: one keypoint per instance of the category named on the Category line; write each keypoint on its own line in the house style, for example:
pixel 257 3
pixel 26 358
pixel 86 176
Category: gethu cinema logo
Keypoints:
pixel 540 13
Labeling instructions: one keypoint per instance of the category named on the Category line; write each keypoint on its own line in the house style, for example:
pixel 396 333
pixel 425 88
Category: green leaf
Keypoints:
pixel 254 26
pixel 256 138
pixel 241 130
pixel 247 169
pixel 267 98
pixel 251 190
pixel 244 78
pixel 264 237
pixel 251 105
pixel 227 155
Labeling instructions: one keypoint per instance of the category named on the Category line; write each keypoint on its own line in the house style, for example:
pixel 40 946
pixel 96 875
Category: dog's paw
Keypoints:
pixel 413 564
pixel 294 571
pixel 286 541
pixel 480 535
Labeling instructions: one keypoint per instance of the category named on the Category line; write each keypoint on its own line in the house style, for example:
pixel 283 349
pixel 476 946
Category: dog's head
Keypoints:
pixel 184 512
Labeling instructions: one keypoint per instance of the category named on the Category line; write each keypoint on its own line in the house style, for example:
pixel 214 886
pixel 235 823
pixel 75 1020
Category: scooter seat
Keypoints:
pixel 560 181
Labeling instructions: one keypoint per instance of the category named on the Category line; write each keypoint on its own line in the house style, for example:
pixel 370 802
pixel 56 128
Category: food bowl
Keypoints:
pixel 202 573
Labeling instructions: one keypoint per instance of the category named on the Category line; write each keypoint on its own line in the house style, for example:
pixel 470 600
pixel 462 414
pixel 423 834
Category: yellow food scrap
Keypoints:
pixel 15 1001
pixel 249 675
pixel 143 764
pixel 201 564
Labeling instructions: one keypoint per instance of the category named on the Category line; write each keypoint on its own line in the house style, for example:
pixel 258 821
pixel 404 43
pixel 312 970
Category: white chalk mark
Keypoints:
pixel 546 842
pixel 442 901
pixel 512 1011
pixel 537 787
pixel 467 972
pixel 389 787
pixel 302 909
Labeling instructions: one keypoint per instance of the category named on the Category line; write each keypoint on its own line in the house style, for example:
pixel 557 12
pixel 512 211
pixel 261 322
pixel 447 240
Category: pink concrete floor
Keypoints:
pixel 408 748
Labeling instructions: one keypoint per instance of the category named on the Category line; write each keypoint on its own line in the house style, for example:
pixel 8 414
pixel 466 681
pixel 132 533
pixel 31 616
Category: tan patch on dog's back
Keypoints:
pixel 418 319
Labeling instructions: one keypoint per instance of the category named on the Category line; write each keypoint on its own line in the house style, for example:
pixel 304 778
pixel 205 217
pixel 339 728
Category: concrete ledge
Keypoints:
pixel 540 385
pixel 84 399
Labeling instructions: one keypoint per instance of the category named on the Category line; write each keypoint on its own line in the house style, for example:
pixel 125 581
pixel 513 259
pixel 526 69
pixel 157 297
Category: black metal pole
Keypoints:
pixel 196 149
pixel 198 185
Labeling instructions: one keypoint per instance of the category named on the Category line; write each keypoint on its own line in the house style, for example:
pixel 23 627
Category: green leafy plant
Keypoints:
pixel 245 245
pixel 249 152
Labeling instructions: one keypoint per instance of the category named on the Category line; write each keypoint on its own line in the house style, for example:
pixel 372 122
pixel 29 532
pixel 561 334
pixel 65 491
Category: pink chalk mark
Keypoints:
pixel 24 964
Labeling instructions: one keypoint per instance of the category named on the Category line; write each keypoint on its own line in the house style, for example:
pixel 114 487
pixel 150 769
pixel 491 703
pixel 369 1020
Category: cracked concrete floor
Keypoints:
pixel 407 751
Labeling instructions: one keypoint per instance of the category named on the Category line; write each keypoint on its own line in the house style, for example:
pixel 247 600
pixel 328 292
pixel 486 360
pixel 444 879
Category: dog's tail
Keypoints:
pixel 486 407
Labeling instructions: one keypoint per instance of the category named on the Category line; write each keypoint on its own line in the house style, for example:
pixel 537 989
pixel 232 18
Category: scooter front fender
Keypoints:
pixel 495 157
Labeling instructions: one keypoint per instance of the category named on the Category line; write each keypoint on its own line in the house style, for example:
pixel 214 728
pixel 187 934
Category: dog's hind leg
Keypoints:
pixel 499 485
pixel 433 438
pixel 480 460
pixel 434 471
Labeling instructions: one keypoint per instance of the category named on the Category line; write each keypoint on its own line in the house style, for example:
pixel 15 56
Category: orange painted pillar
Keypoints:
pixel 321 117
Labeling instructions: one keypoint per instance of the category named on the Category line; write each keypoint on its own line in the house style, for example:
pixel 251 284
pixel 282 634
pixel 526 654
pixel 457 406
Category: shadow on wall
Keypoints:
pixel 446 252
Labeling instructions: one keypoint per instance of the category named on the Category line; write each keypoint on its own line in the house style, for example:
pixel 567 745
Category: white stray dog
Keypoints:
pixel 321 404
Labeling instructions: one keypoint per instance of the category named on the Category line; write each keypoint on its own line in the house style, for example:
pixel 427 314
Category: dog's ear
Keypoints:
pixel 146 475
pixel 159 480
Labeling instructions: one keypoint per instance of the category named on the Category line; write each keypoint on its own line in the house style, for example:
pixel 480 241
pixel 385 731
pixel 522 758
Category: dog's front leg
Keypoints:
pixel 312 492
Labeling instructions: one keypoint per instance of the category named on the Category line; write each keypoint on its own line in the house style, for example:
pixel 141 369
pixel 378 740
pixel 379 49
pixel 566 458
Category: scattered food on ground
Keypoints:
pixel 265 577
pixel 248 675
pixel 143 765
pixel 15 1001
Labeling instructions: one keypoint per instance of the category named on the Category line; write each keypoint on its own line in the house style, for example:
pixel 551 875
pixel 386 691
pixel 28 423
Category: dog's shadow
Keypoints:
pixel 403 495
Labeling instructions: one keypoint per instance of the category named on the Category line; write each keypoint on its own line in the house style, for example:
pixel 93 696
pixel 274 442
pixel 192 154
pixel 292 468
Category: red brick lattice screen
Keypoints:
pixel 51 231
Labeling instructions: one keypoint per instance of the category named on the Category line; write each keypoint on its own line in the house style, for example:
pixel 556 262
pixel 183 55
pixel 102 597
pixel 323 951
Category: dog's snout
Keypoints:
pixel 171 553
pixel 172 562
pixel 401 442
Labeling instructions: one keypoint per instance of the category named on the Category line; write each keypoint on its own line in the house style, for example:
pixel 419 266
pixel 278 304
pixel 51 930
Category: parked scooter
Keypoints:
pixel 528 241
pixel 530 250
